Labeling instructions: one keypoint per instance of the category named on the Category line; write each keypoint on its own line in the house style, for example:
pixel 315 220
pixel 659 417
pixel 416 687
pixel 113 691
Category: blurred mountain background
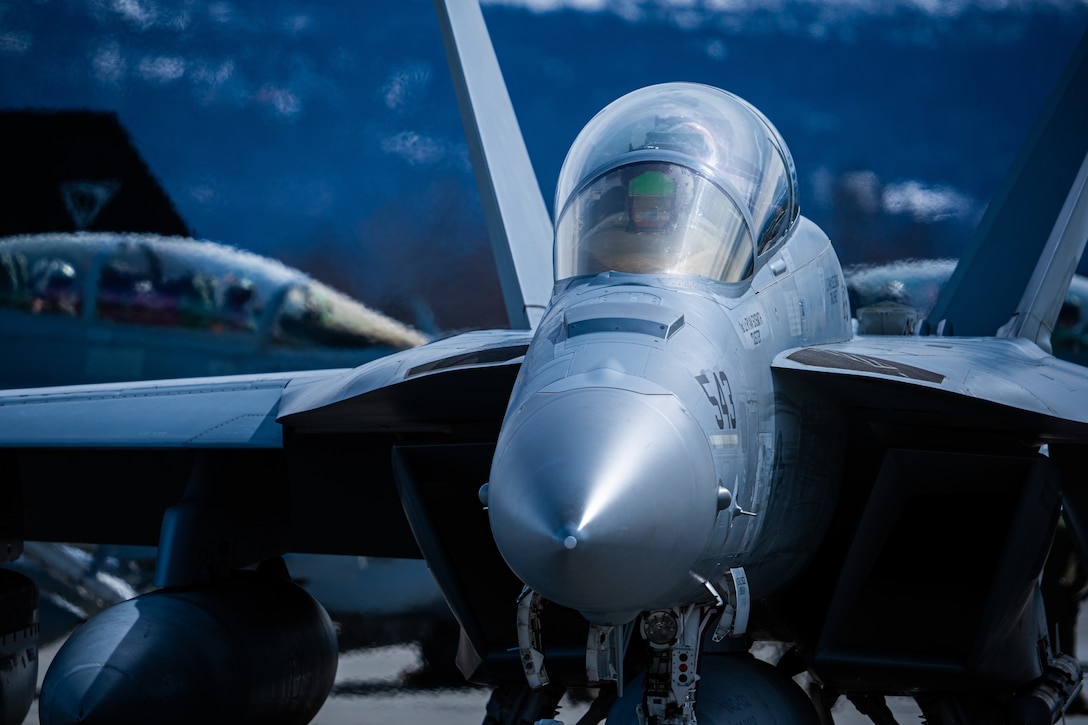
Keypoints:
pixel 327 134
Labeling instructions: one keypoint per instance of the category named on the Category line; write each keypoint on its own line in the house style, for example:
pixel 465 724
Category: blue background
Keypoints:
pixel 327 134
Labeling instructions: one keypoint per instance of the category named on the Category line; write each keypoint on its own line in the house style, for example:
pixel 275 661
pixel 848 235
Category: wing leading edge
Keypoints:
pixel 442 385
pixel 1005 385
pixel 228 412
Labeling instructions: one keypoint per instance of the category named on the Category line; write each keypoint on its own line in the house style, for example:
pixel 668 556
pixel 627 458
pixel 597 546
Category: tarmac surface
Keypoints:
pixel 368 692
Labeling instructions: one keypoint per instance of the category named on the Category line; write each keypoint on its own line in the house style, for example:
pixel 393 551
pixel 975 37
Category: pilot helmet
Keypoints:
pixel 676 178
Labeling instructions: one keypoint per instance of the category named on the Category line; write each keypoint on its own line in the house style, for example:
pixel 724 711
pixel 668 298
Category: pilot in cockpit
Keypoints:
pixel 632 220
pixel 687 191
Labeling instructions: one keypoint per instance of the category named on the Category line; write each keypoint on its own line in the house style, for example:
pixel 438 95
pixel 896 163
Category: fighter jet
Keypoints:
pixel 685 457
pixel 897 298
pixel 92 307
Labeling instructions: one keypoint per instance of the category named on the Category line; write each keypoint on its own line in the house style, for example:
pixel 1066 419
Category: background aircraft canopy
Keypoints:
pixel 177 282
pixel 677 178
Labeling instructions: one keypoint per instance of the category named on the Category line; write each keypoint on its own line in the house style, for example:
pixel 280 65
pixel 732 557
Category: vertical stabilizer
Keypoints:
pixel 517 218
pixel 1012 278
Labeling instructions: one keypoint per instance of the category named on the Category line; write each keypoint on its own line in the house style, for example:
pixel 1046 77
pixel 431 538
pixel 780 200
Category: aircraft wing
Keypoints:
pixel 436 387
pixel 234 412
pixel 297 461
pixel 941 385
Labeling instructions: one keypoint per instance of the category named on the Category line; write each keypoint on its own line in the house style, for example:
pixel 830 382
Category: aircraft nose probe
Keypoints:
pixel 602 499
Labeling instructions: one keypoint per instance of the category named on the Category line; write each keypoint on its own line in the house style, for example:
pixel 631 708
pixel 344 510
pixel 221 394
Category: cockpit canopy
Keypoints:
pixel 130 278
pixel 677 178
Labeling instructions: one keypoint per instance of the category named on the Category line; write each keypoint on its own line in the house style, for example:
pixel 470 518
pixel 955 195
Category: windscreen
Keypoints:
pixel 657 219
pixel 676 178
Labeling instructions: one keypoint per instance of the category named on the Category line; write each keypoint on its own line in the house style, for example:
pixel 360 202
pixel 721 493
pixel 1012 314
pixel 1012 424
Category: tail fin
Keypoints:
pixel 1031 237
pixel 514 210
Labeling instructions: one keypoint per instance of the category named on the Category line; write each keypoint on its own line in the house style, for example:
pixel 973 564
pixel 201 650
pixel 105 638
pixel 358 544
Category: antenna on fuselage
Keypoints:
pixel 517 218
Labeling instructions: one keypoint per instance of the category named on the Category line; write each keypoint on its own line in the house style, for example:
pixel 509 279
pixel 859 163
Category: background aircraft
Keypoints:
pixel 105 306
pixel 100 281
pixel 896 297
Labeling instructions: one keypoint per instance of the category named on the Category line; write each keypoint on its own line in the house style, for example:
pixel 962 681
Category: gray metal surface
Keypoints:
pixel 186 413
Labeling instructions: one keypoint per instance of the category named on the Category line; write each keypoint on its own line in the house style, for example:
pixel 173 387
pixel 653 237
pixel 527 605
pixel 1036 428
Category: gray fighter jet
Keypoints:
pixel 685 457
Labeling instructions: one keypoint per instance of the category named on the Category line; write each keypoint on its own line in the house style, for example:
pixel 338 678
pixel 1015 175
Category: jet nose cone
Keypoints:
pixel 603 499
